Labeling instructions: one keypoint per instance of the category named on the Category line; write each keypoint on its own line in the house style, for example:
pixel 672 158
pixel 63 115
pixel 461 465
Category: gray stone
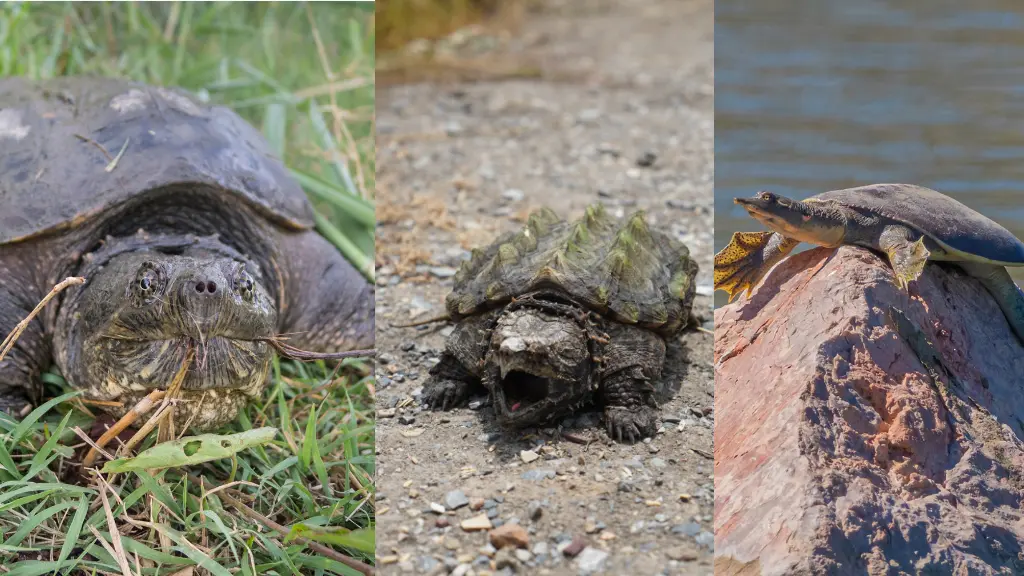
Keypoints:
pixel 455 499
pixel 591 560
pixel 537 475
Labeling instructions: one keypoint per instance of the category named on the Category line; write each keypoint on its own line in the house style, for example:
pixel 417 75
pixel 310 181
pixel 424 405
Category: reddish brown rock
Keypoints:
pixel 575 547
pixel 509 535
pixel 862 430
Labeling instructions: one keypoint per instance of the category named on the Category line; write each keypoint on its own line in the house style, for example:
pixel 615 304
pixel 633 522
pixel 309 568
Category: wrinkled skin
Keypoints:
pixel 129 328
pixel 142 313
pixel 541 360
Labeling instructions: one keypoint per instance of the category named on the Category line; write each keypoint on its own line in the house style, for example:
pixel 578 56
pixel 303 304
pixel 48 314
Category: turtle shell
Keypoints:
pixel 72 148
pixel 618 268
pixel 938 216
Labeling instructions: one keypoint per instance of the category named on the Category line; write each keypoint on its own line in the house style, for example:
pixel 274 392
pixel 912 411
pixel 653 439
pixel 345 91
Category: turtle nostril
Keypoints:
pixel 211 287
pixel 200 287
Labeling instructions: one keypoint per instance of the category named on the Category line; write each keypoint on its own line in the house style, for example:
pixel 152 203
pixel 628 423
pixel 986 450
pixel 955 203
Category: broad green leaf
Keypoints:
pixel 192 450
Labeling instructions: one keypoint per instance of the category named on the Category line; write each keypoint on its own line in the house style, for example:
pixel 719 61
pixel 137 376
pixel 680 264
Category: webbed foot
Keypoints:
pixel 630 424
pixel 747 258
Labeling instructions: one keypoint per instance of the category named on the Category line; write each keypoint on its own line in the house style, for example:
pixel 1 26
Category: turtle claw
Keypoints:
pixel 630 424
pixel 445 394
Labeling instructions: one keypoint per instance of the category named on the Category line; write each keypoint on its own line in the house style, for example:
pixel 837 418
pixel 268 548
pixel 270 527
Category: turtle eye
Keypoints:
pixel 767 196
pixel 245 284
pixel 147 281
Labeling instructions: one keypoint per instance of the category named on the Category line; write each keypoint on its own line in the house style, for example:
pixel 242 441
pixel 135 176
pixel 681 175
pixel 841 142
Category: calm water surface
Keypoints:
pixel 815 95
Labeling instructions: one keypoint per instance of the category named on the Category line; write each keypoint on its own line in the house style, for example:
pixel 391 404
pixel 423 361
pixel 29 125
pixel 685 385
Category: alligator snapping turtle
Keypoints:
pixel 561 313
pixel 195 243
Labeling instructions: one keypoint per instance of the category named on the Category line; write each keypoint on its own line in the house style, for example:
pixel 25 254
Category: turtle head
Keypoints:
pixel 804 221
pixel 142 314
pixel 539 366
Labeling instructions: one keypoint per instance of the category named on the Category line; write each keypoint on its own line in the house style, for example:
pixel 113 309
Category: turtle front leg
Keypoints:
pixel 747 258
pixel 1002 287
pixel 630 412
pixel 450 385
pixel 459 373
pixel 326 304
pixel 906 251
pixel 21 368
pixel 632 360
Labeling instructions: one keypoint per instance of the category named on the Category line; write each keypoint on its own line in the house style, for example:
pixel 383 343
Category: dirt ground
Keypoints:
pixel 620 84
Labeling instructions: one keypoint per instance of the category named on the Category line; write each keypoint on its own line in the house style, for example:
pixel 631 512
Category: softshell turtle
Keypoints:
pixel 910 224
pixel 193 239
pixel 560 313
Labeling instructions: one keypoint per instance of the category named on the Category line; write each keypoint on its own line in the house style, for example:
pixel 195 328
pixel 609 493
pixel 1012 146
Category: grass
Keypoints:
pixel 303 73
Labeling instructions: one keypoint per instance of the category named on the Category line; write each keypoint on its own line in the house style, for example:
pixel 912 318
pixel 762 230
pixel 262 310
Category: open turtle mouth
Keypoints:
pixel 521 391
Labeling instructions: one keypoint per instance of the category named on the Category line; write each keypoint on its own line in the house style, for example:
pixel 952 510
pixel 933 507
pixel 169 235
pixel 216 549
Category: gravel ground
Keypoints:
pixel 622 113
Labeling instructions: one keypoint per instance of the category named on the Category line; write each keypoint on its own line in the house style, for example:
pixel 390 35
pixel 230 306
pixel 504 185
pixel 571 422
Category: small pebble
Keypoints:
pixel 513 195
pixel 574 547
pixel 646 160
pixel 476 523
pixel 523 555
pixel 591 559
pixel 507 535
pixel 537 475
pixel 455 499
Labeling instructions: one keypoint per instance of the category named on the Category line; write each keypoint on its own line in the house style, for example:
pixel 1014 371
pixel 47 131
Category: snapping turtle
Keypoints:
pixel 910 224
pixel 563 312
pixel 194 242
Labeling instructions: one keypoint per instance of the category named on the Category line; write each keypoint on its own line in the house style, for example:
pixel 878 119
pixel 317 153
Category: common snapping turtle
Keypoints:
pixel 193 239
pixel 561 313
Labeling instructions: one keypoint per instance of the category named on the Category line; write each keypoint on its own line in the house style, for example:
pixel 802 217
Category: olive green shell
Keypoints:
pixel 619 268
pixel 937 216
pixel 54 174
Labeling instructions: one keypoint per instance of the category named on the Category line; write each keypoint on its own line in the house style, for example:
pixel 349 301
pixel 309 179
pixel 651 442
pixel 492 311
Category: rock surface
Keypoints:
pixel 862 430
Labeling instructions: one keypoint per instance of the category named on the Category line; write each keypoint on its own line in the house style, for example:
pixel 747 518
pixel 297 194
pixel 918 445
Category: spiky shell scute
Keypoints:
pixel 619 268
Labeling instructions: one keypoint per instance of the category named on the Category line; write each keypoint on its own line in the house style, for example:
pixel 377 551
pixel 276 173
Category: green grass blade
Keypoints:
pixel 357 257
pixel 331 147
pixel 275 119
pixel 359 209
pixel 38 413
pixel 74 529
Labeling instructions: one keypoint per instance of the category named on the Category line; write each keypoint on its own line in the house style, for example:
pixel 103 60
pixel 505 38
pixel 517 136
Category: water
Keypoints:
pixel 815 95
